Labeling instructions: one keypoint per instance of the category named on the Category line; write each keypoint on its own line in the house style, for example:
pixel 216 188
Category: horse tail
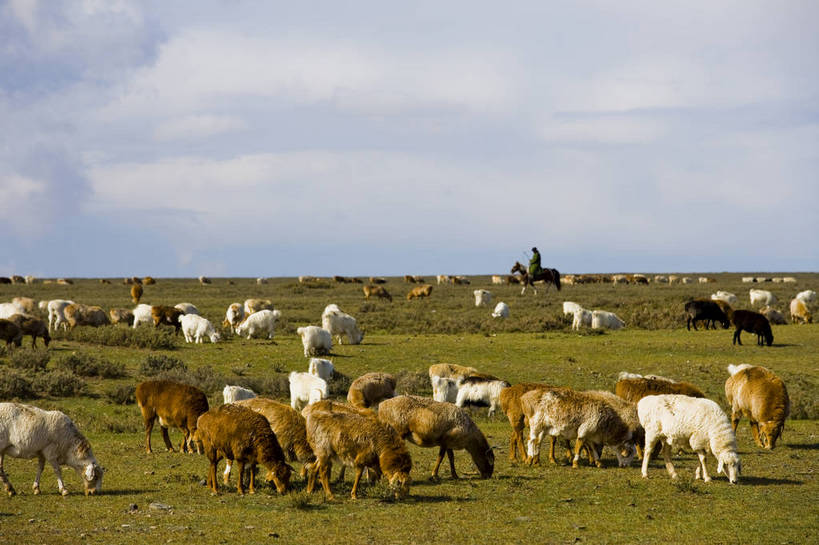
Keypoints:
pixel 556 276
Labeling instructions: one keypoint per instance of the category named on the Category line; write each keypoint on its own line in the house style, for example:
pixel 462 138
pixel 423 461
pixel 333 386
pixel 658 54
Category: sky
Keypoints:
pixel 239 138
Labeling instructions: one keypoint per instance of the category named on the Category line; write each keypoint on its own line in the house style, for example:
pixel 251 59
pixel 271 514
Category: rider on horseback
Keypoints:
pixel 534 263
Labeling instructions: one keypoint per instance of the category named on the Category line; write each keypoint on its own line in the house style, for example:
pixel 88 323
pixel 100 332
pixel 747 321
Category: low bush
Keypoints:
pixel 155 364
pixel 15 385
pixel 59 383
pixel 86 365
pixel 117 335
pixel 122 395
pixel 29 359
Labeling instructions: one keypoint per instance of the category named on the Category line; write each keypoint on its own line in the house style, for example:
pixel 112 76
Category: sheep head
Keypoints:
pixel 625 453
pixel 92 479
pixel 769 432
pixel 280 476
pixel 729 460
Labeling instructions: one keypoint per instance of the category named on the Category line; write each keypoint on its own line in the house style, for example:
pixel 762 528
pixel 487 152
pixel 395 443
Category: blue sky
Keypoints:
pixel 284 138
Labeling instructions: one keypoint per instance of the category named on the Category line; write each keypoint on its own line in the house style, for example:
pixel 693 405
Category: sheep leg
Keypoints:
pixel 211 482
pixel 578 446
pixel 165 438
pixel 240 487
pixel 650 441
pixel 667 457
pixel 451 455
pixel 521 446
pixel 513 445
pixel 358 471
pixel 340 477
pixel 149 426
pixel 552 445
pixel 4 478
pixel 59 473
pixel 737 339
pixel 324 476
pixel 252 485
pixel 40 467
pixel 226 474
pixel 735 418
pixel 705 476
pixel 755 433
pixel 441 452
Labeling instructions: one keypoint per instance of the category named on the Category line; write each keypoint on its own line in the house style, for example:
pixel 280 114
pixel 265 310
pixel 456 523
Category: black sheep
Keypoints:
pixel 753 322
pixel 704 309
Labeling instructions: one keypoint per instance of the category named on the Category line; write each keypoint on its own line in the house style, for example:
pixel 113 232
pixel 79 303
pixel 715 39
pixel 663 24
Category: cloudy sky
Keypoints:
pixel 239 138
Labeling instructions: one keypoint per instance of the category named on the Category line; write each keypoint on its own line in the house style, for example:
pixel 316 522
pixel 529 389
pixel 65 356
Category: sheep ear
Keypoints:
pixel 720 467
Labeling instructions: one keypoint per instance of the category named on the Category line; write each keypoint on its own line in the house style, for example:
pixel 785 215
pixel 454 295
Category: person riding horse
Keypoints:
pixel 534 263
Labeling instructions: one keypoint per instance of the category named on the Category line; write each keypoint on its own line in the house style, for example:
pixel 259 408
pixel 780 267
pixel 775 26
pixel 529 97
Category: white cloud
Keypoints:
pixel 605 130
pixel 198 126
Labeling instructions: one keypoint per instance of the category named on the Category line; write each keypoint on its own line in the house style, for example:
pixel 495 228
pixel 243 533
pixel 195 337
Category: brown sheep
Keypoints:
pixel 244 436
pixel 705 309
pixel 166 315
pixel 121 316
pixel 377 291
pixel 29 325
pixel 633 388
pixel 429 423
pixel 11 333
pixel 136 293
pixel 377 280
pixel 26 304
pixel 459 280
pixel 255 305
pixel 409 279
pixel 757 393
pixel 79 314
pixel 510 405
pixel 148 280
pixel 753 322
pixel 65 281
pixel 204 280
pixel 359 442
pixel 175 404
pixel 799 312
pixel 419 292
pixel 17 279
pixel 370 389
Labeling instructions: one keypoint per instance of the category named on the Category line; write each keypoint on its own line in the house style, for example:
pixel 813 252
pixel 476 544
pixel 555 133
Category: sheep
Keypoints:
pixel 677 420
pixel 5 280
pixel 496 280
pixel 357 441
pixel 419 292
pixel 660 279
pixel 726 296
pixel 602 319
pixel 763 297
pixel 428 423
pixel 686 280
pixel 136 293
pixel 370 389
pixel 27 431
pixel 633 388
pixel 315 340
pixel 445 377
pixel 204 280
pixel 56 314
pixel 29 325
pixel 187 308
pixel 321 368
pixel 377 280
pixel 789 280
pixel 705 280
pixel 580 416
pixel 761 279
pixel 774 316
pixel 10 332
pixel 340 324
pixel 409 279
pixel 149 280
pixel 807 296
pixel 196 328
pixel 142 315
pixel 481 389
pixel 304 279
pixel 627 411
pixel 166 315
pixel 759 394
pixel 753 322
pixel 483 298
pixel 501 310
pixel 30 279
pixel 704 309
pixel 581 317
pixel 510 405
pixel 255 305
pixel 799 312
pixel 459 280
pixel 260 281
pixel 306 389
pixel 174 404
pixel 121 316
pixel 442 279
pixel 570 307
pixel 242 435
pixel 377 291
pixel 748 279
pixel 234 315
pixel 231 394
pixel 78 314
pixel 262 323
pixel 25 304
pixel 7 310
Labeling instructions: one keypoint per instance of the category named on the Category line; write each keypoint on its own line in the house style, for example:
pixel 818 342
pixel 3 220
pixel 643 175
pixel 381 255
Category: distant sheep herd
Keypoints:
pixel 368 433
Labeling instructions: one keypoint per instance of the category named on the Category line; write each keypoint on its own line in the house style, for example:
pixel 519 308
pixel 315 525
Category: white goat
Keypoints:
pixel 763 297
pixel 187 308
pixel 483 298
pixel 236 393
pixel 807 296
pixel 583 318
pixel 316 341
pixel 602 319
pixel 142 315
pixel 55 313
pixel 321 368
pixel 196 328
pixel 480 390
pixel 726 296
pixel 570 307
pixel 261 323
pixel 501 310
pixel 306 389
pixel 340 324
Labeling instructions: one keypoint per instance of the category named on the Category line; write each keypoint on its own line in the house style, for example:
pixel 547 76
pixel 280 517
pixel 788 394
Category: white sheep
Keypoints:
pixel 234 315
pixel 763 297
pixel 27 431
pixel 306 389
pixel 321 368
pixel 142 315
pixel 570 307
pixel 233 393
pixel 262 323
pixel 187 308
pixel 726 296
pixel 807 296
pixel 583 318
pixel 316 341
pixel 679 420
pixel 196 328
pixel 483 298
pixel 501 310
pixel 7 310
pixel 602 319
pixel 56 316
pixel 340 324
pixel 480 389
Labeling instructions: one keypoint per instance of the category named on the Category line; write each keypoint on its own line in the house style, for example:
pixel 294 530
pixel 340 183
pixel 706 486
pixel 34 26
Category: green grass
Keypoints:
pixel 548 504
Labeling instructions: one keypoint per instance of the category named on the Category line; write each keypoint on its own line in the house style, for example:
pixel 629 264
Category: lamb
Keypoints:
pixel 121 316
pixel 428 423
pixel 581 317
pixel 29 325
pixel 187 308
pixel 774 316
pixel 602 319
pixel 306 389
pixel 357 441
pixel 78 314
pixel 259 324
pixel 196 328
pixel 231 393
pixel 27 431
pixel 56 316
pixel 370 389
pixel 142 315
pixel 501 310
pixel 481 389
pixel 580 416
pixel 704 309
pixel 753 322
pixel 511 407
pixel 315 340
pixel 242 435
pixel 807 296
pixel 174 404
pixel 799 312
pixel 11 333
pixel 419 292
pixel 340 324
pixel 377 291
pixel 763 297
pixel 255 305
pixel 321 368
pixel 234 315
pixel 726 296
pixel 789 280
pixel 136 293
pixel 677 420
pixel 759 394
pixel 445 378
pixel 161 314
pixel 633 387
pixel 570 307
pixel 483 298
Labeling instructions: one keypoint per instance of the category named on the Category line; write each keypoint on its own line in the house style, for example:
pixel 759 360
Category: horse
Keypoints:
pixel 550 276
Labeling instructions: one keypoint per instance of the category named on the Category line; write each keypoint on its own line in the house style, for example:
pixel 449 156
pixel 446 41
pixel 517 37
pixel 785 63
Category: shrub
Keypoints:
pixel 30 359
pixel 337 387
pixel 155 364
pixel 86 365
pixel 59 383
pixel 113 335
pixel 413 383
pixel 14 385
pixel 122 395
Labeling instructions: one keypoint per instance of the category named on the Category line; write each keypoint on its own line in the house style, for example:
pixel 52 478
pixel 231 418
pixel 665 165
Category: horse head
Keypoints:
pixel 517 267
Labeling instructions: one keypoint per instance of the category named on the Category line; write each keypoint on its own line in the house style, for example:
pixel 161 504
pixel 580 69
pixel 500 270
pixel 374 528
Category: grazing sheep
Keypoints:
pixel 679 420
pixel 807 296
pixel 26 305
pixel 409 279
pixel 789 280
pixel 707 310
pixel 56 314
pixel 7 310
pixel 231 394
pixel 259 324
pixel 260 281
pixel 187 308
pixel 306 389
pixel 445 378
pixel 30 279
pixel 726 296
pixel 760 395
pixel 660 279
pixel 321 368
pixel 501 310
pixel 255 305
pixel 570 307
pixel 580 416
pixel 582 318
pixel 370 389
pixel 121 316
pixel 65 281
pixel 340 324
pixel 78 314
pixel 428 423
pixel 161 314
pixel 419 292
pixel 496 280
pixel 442 279
pixel 142 315
pixel 511 407
pixel 11 333
pixel 483 298
pixel 360 442
pixel 774 316
pixel 480 389
pixel 628 414
pixel 27 431
pixel 633 388
pixel 148 280
pixel 234 315
pixel 204 280
pixel 174 404
pixel 304 279
pixel 377 280
pixel 763 297
pixel 377 291
pixel 686 280
pixel 459 280
pixel 196 328
pixel 753 322
pixel 748 279
pixel 602 319
pixel 136 293
pixel 29 325
pixel 242 435
pixel 315 340
pixel 799 312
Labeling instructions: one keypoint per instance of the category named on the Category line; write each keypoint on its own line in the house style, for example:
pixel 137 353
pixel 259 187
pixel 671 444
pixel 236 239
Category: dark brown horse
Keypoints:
pixel 550 276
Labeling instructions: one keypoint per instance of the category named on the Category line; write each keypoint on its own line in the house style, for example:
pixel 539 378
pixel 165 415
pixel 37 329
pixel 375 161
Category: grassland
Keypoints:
pixel 774 501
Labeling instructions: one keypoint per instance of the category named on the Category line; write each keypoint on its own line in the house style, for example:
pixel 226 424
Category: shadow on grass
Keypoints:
pixel 127 491
pixel 757 481
pixel 419 498
pixel 809 446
